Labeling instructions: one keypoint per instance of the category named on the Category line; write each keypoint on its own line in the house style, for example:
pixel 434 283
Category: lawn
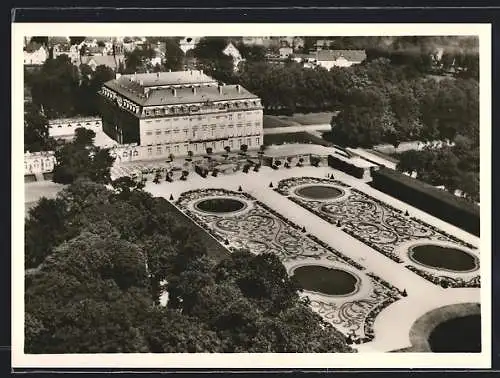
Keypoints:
pixel 300 137
pixel 270 121
pixel 313 118
pixel 392 158
pixel 298 119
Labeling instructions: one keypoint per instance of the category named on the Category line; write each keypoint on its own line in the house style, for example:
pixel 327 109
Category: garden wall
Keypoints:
pixel 434 201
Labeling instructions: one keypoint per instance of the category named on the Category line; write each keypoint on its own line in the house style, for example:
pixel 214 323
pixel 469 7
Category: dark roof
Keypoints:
pixel 145 80
pixel 103 60
pixel 165 96
pixel 351 55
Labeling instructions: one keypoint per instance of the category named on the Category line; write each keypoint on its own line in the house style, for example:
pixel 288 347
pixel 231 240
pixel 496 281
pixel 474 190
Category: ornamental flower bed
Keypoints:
pixel 377 224
pixel 262 229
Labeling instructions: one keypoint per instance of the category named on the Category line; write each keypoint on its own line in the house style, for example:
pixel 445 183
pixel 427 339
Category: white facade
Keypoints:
pixel 285 52
pixel 339 62
pixel 39 162
pixel 65 128
pixel 188 43
pixel 197 132
pixel 37 57
pixel 233 52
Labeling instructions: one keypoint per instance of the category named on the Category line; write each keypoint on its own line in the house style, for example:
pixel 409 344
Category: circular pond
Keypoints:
pixel 320 192
pixel 329 281
pixel 220 205
pixel 458 335
pixel 444 258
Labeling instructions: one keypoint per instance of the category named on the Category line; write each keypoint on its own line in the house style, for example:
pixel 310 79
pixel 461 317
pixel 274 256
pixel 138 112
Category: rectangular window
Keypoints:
pixel 176 148
pixel 194 133
pixel 158 150
pixel 150 150
pixel 257 123
pixel 230 117
pixel 149 121
pixel 231 143
pixel 196 146
pixel 258 141
pixel 239 115
pixel 158 132
pixel 186 132
pixel 149 133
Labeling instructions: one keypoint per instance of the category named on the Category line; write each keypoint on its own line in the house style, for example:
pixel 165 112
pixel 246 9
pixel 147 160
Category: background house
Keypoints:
pixel 103 60
pixel 35 54
pixel 285 52
pixel 232 51
pixel 188 43
pixel 339 58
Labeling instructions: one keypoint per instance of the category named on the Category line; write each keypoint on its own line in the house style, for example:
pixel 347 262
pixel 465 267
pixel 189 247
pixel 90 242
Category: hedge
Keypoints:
pixel 346 167
pixel 437 202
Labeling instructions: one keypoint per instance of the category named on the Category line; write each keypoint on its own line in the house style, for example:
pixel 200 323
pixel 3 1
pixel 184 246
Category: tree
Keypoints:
pixel 55 87
pixel 80 160
pixel 211 59
pixel 76 40
pixel 44 229
pixel 40 40
pixel 84 136
pixel 123 186
pixel 36 131
pixel 168 331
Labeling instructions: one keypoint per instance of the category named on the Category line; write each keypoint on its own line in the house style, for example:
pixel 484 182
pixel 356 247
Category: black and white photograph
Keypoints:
pixel 251 195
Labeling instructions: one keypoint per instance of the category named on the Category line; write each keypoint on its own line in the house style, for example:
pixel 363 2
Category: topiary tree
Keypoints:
pixel 190 156
pixel 227 149
pixel 171 157
pixel 244 149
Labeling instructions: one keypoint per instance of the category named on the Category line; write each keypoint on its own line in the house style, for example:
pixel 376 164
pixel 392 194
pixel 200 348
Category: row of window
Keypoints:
pixel 77 125
pixel 229 117
pixel 194 108
pixel 195 146
pixel 195 129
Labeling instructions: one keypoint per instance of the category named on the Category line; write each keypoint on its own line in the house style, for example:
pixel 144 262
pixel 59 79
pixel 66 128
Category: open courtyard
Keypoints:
pixel 363 257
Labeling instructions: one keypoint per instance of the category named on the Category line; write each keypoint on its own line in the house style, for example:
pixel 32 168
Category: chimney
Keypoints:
pixel 220 89
pixel 238 88
pixel 158 74
pixel 169 70
pixel 174 92
pixel 191 72
pixel 201 72
pixel 141 83
pixel 117 76
pixel 194 90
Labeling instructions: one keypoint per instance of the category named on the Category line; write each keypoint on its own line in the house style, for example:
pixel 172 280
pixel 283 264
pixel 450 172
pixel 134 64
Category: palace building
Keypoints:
pixel 177 112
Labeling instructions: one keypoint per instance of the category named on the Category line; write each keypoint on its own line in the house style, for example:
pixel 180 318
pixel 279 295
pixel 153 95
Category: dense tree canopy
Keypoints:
pixel 211 59
pixel 81 159
pixel 73 90
pixel 99 275
pixel 36 130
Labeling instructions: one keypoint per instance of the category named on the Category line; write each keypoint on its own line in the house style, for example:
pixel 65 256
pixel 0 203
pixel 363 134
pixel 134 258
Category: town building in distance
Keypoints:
pixel 178 112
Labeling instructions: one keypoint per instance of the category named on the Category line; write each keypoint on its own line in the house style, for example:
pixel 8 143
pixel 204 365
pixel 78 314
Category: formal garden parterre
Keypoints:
pixel 386 229
pixel 256 227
